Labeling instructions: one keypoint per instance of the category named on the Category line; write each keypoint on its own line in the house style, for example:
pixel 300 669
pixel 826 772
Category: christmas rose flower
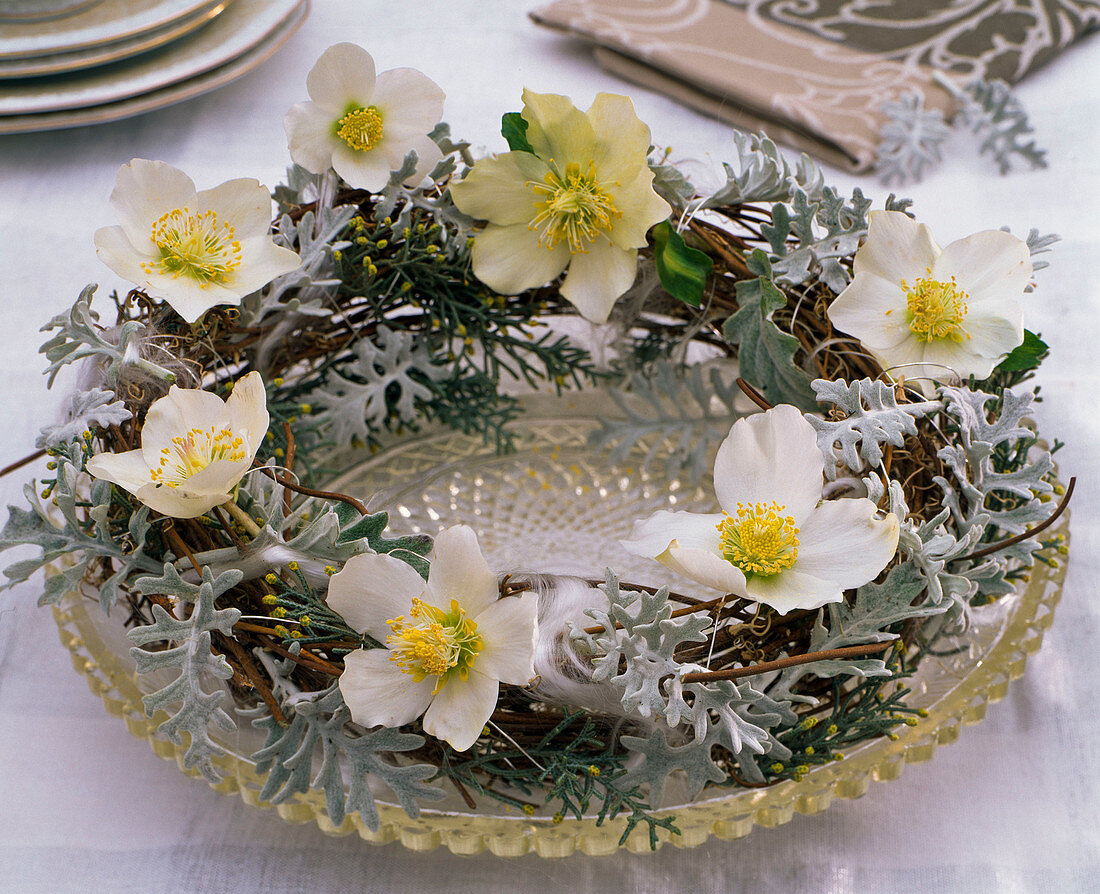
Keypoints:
pixel 450 642
pixel 193 249
pixel 583 200
pixel 195 447
pixel 363 124
pixel 775 542
pixel 935 313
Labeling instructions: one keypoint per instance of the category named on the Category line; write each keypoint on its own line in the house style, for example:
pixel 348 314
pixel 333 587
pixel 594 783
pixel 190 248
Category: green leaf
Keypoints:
pixel 1027 356
pixel 513 127
pixel 683 270
pixel 766 354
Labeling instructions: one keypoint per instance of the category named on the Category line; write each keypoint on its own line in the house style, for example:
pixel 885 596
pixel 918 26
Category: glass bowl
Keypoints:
pixel 557 498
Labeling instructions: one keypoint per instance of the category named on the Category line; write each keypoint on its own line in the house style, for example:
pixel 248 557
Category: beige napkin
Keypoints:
pixel 814 75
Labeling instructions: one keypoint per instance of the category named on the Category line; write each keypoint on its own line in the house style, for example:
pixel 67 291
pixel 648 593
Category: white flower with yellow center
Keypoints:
pixel 363 124
pixel 932 314
pixel 193 249
pixel 775 542
pixel 195 448
pixel 450 641
pixel 583 201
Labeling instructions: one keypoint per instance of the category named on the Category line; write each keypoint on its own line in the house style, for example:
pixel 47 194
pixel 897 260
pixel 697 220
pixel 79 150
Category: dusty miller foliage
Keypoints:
pixel 872 417
pixel 912 138
pixel 635 653
pixel 689 409
pixel 389 375
pixel 190 706
pixel 322 723
pixel 86 411
pixel 983 494
pixel 65 536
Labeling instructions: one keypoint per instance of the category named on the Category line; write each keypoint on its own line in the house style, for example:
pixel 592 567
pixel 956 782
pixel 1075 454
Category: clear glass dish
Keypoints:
pixel 558 499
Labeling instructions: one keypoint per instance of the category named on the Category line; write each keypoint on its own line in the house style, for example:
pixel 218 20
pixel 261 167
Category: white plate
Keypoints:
pixel 90 57
pixel 241 27
pixel 167 96
pixel 102 23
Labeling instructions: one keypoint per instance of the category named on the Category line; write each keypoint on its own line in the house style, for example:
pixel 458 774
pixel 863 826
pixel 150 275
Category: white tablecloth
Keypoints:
pixel 1013 806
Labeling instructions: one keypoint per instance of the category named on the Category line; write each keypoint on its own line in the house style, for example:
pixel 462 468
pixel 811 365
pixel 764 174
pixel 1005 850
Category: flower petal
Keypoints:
pixel 371 590
pixel 128 470
pixel 460 709
pixel 408 99
pixel 261 262
pixel 344 76
pixel 622 139
pixel 496 188
pixel 145 190
pixel 598 277
pixel 395 147
pixel 706 567
pixel 897 247
pixel 245 204
pixel 379 693
pixel 641 208
pixel 791 590
pixel 177 413
pixel 988 265
pixel 994 327
pixel 117 251
pixel 247 409
pixel 369 169
pixel 509 634
pixel 174 503
pixel 874 310
pixel 309 136
pixel 557 130
pixel 459 571
pixel 653 535
pixel 844 541
pixel 215 481
pixel 509 259
pixel 188 297
pixel 770 456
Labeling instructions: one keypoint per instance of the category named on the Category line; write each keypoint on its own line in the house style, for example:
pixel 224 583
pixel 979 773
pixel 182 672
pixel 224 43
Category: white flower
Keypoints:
pixel 450 641
pixel 195 447
pixel 776 542
pixel 194 249
pixel 934 313
pixel 363 124
pixel 584 200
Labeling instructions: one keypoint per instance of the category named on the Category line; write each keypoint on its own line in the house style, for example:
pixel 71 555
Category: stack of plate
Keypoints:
pixel 70 62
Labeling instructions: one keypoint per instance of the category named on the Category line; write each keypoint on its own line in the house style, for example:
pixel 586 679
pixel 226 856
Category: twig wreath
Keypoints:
pixel 885 485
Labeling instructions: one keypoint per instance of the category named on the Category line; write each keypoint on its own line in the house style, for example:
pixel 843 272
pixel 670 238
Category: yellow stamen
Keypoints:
pixel 433 642
pixel 936 309
pixel 193 452
pixel 195 245
pixel 759 540
pixel 576 208
pixel 361 128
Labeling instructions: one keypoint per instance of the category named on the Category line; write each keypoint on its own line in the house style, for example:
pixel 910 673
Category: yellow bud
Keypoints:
pixel 270 599
pixel 293 566
pixel 271 577
pixel 529 809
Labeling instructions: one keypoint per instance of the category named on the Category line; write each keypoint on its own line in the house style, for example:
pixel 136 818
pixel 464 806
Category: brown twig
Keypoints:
pixel 752 394
pixel 285 481
pixel 1026 535
pixel 288 463
pixel 19 463
pixel 792 661
pixel 255 678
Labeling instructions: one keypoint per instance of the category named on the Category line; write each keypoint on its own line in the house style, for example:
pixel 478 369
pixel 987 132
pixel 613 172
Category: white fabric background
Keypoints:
pixel 1013 806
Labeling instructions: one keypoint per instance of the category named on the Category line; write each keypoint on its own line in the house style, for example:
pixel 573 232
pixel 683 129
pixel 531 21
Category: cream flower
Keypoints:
pixel 450 642
pixel 363 124
pixel 584 200
pixel 194 249
pixel 195 447
pixel 933 313
pixel 776 542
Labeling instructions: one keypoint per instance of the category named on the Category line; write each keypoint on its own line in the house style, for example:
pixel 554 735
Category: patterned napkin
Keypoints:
pixel 817 73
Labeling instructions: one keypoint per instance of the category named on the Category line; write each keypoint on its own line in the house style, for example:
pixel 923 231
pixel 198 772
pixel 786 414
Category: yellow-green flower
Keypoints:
pixel 583 200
